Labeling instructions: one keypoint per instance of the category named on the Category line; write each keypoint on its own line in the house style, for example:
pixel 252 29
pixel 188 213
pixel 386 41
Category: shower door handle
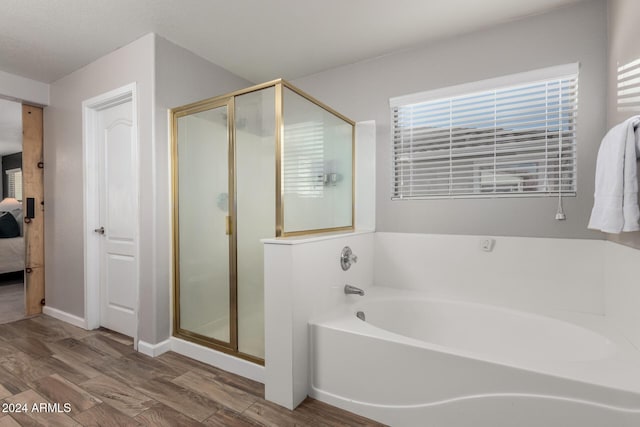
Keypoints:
pixel 227 225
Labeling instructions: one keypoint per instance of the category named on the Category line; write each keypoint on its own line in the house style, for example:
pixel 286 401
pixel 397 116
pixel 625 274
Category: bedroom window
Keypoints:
pixel 14 183
pixel 504 137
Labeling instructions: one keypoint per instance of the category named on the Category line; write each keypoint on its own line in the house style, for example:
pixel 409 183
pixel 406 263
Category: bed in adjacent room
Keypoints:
pixel 12 251
pixel 11 254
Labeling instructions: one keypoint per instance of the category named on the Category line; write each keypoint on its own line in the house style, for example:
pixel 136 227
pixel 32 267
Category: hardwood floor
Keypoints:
pixel 106 383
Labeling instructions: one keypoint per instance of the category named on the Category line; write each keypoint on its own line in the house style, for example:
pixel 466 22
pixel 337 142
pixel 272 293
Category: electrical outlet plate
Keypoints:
pixel 487 244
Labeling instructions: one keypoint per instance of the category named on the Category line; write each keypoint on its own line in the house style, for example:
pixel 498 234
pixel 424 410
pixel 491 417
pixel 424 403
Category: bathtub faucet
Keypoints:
pixel 352 290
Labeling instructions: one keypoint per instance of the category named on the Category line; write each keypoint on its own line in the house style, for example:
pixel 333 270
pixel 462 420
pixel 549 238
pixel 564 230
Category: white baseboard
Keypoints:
pixel 64 316
pixel 218 359
pixel 154 350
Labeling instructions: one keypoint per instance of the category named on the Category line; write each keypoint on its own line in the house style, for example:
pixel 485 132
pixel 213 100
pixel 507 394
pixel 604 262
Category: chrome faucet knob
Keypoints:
pixel 347 258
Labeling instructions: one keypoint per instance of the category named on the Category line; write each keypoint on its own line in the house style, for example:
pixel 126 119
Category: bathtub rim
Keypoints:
pixel 623 355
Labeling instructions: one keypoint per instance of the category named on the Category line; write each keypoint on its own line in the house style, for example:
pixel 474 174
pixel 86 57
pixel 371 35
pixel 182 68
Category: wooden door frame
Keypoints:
pixel 90 110
pixel 33 187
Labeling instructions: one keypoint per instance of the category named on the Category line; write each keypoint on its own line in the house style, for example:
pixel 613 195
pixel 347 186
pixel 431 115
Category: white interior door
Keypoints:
pixel 118 211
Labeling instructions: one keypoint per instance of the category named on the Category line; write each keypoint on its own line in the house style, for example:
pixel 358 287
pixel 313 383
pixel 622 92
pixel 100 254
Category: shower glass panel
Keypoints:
pixel 317 166
pixel 203 245
pixel 255 144
pixel 263 162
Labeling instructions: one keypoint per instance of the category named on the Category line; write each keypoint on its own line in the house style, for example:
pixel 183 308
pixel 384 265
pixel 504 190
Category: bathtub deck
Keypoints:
pixel 619 370
pixel 472 365
pixel 107 383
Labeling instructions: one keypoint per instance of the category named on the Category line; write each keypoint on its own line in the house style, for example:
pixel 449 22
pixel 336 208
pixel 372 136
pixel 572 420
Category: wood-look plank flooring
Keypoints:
pixel 107 383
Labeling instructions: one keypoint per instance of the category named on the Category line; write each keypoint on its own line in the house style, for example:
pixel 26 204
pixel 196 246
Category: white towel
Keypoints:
pixel 615 207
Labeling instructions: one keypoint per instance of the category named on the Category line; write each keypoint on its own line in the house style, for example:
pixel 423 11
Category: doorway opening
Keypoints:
pixel 12 250
pixel 21 211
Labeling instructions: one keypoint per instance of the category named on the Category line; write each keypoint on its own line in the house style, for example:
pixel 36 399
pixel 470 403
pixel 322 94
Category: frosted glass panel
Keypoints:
pixel 316 166
pixel 255 201
pixel 203 205
pixel 235 182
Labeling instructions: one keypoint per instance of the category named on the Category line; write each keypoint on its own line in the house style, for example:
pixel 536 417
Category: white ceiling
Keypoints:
pixel 256 39
pixel 10 127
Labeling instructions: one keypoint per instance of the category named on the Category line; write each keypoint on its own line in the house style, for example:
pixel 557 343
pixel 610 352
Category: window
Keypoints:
pixel 629 87
pixel 303 159
pixel 510 136
pixel 14 183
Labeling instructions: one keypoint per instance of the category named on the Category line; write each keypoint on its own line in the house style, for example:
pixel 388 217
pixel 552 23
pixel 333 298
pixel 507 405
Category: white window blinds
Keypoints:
pixel 303 159
pixel 512 136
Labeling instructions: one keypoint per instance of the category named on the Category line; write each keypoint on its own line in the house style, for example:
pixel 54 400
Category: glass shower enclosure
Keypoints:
pixel 267 161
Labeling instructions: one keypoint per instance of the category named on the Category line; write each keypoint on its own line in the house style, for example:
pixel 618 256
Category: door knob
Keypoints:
pixel 99 230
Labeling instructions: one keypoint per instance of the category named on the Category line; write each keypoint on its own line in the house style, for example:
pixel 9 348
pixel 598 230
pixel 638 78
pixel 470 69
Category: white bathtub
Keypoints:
pixel 423 362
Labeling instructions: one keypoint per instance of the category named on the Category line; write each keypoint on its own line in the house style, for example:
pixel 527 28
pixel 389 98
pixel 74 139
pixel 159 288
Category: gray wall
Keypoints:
pixel 573 34
pixel 624 47
pixel 181 78
pixel 166 76
pixel 63 174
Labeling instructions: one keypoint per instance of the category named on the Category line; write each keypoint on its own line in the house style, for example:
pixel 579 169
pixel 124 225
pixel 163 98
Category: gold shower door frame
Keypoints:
pixel 228 101
pixel 232 345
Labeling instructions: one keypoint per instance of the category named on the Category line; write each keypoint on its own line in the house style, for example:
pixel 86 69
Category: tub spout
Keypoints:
pixel 352 290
